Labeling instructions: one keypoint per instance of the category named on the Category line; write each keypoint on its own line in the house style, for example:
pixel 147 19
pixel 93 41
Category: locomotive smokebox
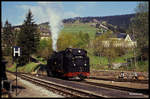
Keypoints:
pixel 54 52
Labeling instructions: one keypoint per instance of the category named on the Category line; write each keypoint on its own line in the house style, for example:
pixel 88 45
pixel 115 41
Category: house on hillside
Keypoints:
pixel 93 25
pixel 120 40
pixel 98 34
pixel 101 28
pixel 127 40
pixel 45 32
pixel 16 28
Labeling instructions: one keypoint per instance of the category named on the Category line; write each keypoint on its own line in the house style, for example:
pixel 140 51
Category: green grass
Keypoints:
pixel 96 62
pixel 119 60
pixel 101 63
pixel 142 66
pixel 76 28
pixel 26 68
pixel 42 60
pixel 12 68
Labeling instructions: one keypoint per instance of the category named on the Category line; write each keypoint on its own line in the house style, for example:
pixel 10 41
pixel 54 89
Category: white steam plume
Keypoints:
pixel 55 26
pixel 55 18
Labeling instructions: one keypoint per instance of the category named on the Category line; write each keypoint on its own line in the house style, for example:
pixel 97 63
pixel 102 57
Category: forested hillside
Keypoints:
pixel 121 21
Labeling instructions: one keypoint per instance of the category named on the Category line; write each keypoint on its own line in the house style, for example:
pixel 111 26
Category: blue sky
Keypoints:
pixel 15 12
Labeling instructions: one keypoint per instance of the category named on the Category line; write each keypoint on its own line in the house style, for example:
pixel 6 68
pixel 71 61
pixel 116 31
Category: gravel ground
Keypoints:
pixel 115 74
pixel 28 90
pixel 121 84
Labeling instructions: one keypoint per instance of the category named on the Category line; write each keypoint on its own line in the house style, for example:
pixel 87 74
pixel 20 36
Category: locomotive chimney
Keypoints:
pixel 54 52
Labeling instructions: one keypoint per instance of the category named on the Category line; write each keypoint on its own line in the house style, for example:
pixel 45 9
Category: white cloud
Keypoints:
pixel 37 12
pixel 84 6
pixel 40 15
pixel 70 15
pixel 18 23
pixel 51 4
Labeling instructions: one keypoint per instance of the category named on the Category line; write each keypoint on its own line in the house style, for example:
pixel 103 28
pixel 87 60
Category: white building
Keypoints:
pixel 122 40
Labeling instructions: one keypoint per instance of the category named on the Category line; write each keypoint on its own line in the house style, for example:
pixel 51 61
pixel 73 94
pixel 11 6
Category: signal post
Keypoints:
pixel 16 54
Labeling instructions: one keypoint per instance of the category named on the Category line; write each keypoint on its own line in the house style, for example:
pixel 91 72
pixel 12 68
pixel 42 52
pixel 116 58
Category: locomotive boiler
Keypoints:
pixel 70 63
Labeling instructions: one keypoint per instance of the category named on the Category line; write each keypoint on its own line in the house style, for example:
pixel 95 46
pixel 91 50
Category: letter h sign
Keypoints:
pixel 16 51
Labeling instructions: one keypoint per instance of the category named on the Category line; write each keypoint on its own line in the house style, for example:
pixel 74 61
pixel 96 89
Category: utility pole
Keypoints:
pixel 134 51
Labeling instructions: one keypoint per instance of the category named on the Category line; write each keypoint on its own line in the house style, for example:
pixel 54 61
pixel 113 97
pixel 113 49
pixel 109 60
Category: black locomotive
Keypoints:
pixel 69 63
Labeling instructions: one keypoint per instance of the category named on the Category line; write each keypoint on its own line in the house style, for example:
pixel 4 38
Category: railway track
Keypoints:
pixel 113 93
pixel 143 91
pixel 83 89
pixel 59 88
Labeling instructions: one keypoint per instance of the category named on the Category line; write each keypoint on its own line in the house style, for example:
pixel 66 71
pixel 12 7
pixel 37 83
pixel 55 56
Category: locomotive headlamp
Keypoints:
pixel 85 64
pixel 79 51
pixel 74 64
pixel 70 50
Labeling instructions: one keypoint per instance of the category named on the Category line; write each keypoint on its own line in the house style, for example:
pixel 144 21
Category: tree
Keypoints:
pixel 7 38
pixel 139 26
pixel 98 45
pixel 28 38
pixel 105 46
pixel 110 53
pixel 45 48
pixel 67 40
pixel 83 39
pixel 15 37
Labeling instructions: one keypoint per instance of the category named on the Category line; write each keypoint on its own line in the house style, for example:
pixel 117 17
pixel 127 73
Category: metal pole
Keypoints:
pixel 16 80
pixel 16 75
pixel 16 58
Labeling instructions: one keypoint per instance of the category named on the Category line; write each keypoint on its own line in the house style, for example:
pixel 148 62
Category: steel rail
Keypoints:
pixel 62 89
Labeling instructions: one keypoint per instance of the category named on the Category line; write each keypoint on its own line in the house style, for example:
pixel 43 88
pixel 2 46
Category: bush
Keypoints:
pixel 45 48
pixel 142 66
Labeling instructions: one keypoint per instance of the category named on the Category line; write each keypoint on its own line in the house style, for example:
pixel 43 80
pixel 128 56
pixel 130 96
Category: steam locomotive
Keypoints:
pixel 70 63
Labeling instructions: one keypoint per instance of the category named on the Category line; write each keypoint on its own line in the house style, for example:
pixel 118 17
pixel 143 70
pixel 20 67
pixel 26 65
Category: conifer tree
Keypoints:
pixel 28 38
pixel 7 38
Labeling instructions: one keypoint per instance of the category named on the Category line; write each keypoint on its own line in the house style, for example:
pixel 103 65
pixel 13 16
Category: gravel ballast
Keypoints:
pixel 29 90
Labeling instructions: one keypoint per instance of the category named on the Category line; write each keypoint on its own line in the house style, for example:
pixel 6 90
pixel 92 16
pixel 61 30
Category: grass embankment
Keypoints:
pixel 101 63
pixel 30 67
pixel 40 59
pixel 26 68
